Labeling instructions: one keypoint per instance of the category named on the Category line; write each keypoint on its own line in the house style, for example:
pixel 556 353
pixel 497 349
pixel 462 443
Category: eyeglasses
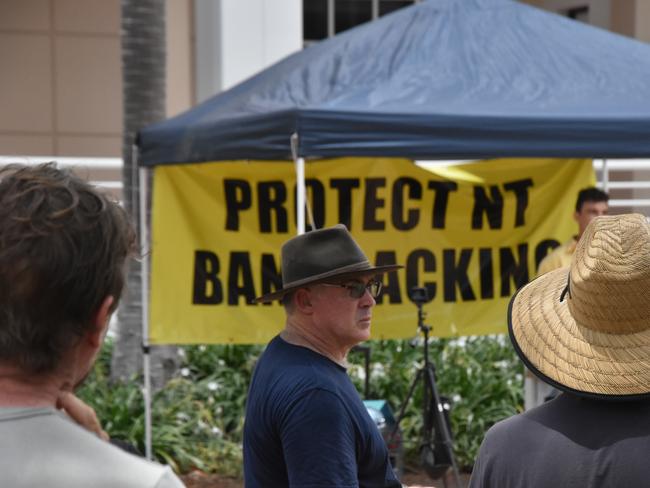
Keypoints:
pixel 357 289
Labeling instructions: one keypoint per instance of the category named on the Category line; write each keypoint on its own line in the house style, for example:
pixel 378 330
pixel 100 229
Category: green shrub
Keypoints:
pixel 198 417
pixel 481 375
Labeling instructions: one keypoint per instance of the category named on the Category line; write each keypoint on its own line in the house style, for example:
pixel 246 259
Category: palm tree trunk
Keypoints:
pixel 143 75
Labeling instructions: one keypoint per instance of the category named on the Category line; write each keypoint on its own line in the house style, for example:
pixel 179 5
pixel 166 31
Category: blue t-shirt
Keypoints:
pixel 306 426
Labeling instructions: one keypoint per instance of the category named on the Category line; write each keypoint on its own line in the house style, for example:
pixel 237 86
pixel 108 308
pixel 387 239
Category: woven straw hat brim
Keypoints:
pixel 276 295
pixel 572 357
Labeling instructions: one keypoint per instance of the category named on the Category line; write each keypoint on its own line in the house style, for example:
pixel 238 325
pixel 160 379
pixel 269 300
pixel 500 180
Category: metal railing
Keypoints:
pixel 105 173
pixel 628 183
pixel 626 180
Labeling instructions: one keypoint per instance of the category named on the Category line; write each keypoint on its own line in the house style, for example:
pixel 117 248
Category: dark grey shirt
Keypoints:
pixel 568 442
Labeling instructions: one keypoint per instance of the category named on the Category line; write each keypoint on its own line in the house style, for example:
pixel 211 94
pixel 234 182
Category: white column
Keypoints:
pixel 237 38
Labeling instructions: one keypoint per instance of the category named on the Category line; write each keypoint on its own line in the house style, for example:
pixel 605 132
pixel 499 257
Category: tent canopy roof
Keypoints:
pixel 441 79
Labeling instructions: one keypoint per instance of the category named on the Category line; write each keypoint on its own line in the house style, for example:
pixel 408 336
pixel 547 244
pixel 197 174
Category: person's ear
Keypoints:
pixel 576 216
pixel 100 322
pixel 303 300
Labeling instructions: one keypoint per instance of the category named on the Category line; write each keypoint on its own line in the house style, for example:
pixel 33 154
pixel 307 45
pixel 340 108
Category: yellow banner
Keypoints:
pixel 470 234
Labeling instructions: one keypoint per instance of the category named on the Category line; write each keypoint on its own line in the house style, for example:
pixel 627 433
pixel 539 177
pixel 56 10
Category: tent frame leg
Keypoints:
pixel 144 283
pixel 301 200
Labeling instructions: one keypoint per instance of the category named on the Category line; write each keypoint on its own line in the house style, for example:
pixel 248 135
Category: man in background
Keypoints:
pixel 591 203
pixel 63 252
pixel 305 423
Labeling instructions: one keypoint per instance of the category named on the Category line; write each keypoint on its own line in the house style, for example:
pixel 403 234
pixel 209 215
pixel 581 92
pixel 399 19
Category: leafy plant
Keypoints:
pixel 480 375
pixel 198 417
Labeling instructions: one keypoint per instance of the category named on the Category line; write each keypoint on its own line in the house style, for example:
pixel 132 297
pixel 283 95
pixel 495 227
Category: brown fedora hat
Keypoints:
pixel 321 255
pixel 586 329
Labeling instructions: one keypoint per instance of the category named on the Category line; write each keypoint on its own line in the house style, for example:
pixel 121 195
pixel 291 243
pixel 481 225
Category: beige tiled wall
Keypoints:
pixel 25 84
pixel 627 17
pixel 87 85
pixel 642 20
pixel 61 84
pixel 27 15
pixel 87 16
pixel 180 56
pixel 622 17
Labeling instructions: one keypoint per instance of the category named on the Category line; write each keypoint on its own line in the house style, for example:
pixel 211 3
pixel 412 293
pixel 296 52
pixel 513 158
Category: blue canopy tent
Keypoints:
pixel 441 79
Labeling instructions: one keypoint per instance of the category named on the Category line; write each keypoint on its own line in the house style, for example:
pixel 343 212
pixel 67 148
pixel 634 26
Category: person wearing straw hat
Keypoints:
pixel 63 251
pixel 586 331
pixel 590 203
pixel 305 422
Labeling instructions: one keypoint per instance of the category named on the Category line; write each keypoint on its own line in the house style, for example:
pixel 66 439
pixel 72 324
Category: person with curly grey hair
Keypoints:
pixel 64 247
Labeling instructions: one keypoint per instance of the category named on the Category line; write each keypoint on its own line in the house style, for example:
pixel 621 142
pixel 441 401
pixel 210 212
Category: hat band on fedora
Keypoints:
pixel 351 268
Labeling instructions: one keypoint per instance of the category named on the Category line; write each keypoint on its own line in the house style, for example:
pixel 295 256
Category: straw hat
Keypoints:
pixel 322 255
pixel 586 329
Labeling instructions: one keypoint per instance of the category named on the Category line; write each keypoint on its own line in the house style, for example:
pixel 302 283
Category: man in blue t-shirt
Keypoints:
pixel 305 423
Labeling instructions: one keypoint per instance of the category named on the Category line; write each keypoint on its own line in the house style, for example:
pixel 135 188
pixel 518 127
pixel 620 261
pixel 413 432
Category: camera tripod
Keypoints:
pixel 436 448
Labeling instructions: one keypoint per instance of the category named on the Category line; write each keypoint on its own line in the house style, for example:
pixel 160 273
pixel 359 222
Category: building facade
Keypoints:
pixel 61 85
pixel 626 17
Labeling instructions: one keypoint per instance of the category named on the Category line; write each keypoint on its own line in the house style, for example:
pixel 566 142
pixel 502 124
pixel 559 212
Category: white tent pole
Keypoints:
pixel 144 283
pixel 605 175
pixel 300 178
pixel 331 18
pixel 300 183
